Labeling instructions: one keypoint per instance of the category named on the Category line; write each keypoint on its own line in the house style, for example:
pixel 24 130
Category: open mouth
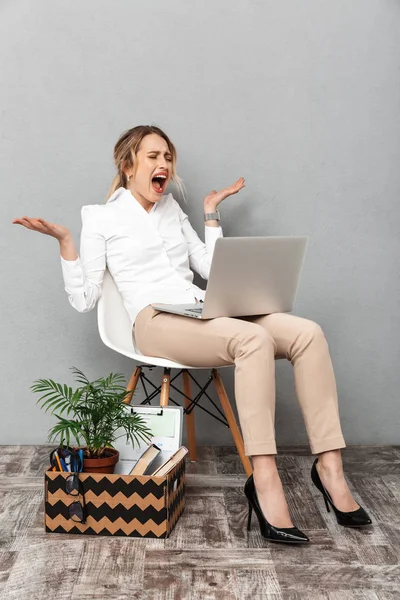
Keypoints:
pixel 159 183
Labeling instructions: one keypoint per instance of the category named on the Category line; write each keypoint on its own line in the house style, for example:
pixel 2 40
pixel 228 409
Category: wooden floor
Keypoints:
pixel 209 554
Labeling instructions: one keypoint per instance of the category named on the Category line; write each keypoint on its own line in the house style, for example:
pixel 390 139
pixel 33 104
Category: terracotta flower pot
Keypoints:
pixel 105 464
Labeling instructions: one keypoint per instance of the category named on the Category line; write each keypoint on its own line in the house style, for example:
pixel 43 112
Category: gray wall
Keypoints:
pixel 300 98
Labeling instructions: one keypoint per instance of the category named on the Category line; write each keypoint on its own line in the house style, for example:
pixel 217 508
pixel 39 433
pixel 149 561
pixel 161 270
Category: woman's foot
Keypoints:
pixel 270 492
pixel 330 471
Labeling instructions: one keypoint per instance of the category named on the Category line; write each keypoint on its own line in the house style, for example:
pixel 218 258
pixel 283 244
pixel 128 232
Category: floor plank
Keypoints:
pixel 210 554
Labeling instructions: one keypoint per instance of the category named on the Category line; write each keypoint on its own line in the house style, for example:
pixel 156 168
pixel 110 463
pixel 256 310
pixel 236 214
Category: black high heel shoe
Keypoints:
pixel 355 518
pixel 290 535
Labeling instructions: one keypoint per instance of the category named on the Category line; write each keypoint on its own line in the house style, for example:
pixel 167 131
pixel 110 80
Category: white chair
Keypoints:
pixel 116 332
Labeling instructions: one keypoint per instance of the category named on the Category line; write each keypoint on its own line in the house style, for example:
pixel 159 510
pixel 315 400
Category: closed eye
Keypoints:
pixel 167 157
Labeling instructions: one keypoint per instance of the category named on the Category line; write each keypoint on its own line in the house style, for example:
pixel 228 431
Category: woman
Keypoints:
pixel 149 246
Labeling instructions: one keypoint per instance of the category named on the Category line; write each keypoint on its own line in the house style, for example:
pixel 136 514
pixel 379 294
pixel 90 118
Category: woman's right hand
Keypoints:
pixel 57 231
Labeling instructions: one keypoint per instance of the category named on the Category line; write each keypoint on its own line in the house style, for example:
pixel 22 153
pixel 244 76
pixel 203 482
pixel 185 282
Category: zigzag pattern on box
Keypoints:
pixel 176 496
pixel 112 513
pixel 177 506
pixel 171 493
pixel 90 531
pixel 118 527
pixel 173 517
pixel 178 476
pixel 112 478
pixel 176 472
pixel 140 485
pixel 105 498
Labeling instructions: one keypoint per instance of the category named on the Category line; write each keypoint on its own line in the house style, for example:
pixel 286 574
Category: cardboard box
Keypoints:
pixel 121 505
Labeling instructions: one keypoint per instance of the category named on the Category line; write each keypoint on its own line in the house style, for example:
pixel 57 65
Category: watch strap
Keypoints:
pixel 215 216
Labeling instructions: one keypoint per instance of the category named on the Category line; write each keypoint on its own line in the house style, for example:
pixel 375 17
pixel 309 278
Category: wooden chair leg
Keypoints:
pixel 165 386
pixel 132 384
pixel 190 429
pixel 230 417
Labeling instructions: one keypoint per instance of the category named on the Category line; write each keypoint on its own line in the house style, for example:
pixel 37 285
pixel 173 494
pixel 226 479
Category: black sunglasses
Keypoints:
pixel 74 486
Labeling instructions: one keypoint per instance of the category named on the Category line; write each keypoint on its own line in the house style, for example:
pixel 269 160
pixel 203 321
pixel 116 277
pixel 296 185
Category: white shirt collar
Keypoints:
pixel 123 193
pixel 118 192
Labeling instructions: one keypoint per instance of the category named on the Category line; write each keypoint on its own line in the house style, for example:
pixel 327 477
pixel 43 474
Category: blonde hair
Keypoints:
pixel 127 147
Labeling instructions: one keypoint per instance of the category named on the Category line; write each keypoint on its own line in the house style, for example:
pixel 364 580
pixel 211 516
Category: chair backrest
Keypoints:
pixel 115 326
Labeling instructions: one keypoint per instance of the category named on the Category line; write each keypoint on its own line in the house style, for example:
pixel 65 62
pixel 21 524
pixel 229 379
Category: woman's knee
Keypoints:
pixel 310 333
pixel 255 337
pixel 312 328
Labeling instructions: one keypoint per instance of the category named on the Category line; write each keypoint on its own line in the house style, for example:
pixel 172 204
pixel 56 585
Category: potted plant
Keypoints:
pixel 93 413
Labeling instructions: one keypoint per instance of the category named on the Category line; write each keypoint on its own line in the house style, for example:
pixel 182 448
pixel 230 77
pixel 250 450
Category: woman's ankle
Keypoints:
pixel 265 474
pixel 331 461
pixel 264 464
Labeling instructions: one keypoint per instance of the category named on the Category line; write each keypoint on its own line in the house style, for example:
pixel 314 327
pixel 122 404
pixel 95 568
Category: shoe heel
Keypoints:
pixel 327 505
pixel 249 517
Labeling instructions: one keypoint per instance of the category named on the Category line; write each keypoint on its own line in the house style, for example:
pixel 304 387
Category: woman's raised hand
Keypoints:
pixel 214 198
pixel 57 231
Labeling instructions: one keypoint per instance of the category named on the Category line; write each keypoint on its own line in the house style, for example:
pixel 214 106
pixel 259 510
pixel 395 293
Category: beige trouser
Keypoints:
pixel 252 344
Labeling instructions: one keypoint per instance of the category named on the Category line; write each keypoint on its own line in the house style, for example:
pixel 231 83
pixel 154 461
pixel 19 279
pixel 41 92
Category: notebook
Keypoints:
pixel 171 462
pixel 145 461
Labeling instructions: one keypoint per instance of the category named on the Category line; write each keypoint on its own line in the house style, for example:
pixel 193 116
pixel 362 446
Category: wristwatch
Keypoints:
pixel 215 216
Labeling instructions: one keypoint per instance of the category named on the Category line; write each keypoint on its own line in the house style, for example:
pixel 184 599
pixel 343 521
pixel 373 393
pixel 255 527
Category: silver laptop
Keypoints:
pixel 248 276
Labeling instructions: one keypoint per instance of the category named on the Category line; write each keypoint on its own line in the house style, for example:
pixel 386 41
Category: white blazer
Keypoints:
pixel 149 254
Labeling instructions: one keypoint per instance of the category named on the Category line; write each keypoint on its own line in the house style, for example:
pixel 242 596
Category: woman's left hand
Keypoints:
pixel 214 198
